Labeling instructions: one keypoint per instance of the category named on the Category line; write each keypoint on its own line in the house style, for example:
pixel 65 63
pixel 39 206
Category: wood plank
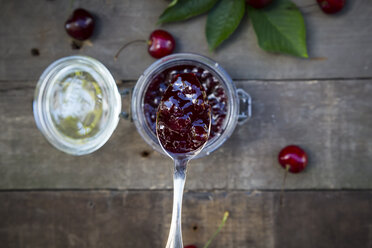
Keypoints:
pixel 324 219
pixel 340 45
pixel 332 120
pixel 141 219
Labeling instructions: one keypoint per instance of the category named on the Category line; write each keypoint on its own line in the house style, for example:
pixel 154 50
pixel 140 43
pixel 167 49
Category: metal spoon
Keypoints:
pixel 182 125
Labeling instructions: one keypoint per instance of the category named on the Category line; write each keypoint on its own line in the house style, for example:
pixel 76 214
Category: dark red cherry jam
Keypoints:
pixel 215 94
pixel 184 116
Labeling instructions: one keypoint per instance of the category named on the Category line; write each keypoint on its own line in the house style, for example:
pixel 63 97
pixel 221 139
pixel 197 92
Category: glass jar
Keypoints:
pixel 238 101
pixel 77 104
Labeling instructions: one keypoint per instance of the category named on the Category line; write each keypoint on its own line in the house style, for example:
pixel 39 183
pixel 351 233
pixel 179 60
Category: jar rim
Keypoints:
pixel 144 80
pixel 50 77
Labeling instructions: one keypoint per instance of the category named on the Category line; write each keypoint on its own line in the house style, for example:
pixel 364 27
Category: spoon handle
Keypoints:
pixel 179 178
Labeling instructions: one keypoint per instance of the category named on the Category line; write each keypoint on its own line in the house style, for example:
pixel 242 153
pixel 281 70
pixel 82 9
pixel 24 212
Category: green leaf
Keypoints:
pixel 280 28
pixel 222 21
pixel 184 9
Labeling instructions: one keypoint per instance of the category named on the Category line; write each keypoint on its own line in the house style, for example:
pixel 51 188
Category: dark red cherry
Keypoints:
pixel 160 43
pixel 80 24
pixel 292 158
pixel 331 6
pixel 190 246
pixel 259 4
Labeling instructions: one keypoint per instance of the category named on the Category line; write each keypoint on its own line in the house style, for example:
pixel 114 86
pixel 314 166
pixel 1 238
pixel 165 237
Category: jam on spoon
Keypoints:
pixel 216 94
pixel 183 125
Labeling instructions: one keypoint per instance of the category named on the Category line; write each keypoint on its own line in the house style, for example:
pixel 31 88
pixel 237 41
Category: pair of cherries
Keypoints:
pixel 328 6
pixel 80 26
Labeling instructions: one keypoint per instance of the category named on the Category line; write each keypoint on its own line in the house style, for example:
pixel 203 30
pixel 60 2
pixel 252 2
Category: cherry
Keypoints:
pixel 259 4
pixel 161 43
pixel 190 246
pixel 80 25
pixel 292 158
pixel 331 6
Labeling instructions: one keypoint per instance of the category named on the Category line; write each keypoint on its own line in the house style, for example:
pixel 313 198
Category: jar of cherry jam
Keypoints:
pixel 230 106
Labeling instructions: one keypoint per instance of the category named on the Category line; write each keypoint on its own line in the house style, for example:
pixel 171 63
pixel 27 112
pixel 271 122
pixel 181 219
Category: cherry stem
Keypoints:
pixel 125 45
pixel 71 3
pixel 307 6
pixel 283 184
pixel 224 219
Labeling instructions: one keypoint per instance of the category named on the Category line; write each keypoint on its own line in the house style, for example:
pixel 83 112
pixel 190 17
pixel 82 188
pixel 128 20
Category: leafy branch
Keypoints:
pixel 279 28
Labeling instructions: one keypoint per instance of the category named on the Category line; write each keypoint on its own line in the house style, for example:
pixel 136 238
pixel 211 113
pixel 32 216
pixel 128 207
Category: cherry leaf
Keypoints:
pixel 280 28
pixel 184 9
pixel 222 21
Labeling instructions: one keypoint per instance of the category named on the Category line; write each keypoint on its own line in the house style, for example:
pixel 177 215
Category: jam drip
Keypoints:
pixel 184 116
pixel 215 94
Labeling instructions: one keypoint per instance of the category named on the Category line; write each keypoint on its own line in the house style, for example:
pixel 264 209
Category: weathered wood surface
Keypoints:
pixel 142 218
pixel 340 45
pixel 332 120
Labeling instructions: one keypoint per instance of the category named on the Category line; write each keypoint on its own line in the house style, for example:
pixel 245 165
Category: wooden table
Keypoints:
pixel 121 195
